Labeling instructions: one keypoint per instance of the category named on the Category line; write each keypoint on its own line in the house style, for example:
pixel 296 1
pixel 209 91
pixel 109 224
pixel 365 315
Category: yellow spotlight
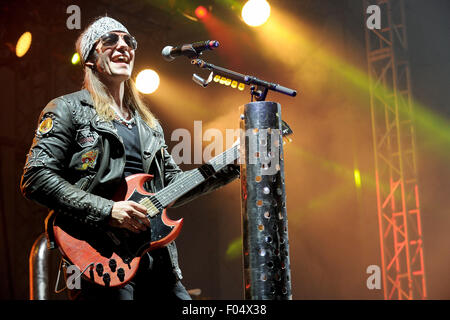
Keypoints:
pixel 357 175
pixel 147 81
pixel 23 44
pixel 75 58
pixel 256 12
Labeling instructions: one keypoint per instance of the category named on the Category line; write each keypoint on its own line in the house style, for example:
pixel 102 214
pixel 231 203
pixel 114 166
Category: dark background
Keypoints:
pixel 333 228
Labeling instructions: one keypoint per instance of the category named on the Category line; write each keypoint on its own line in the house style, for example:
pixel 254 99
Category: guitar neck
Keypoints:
pixel 193 178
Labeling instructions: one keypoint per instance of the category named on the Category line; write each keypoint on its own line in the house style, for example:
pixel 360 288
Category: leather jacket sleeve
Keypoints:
pixel 43 179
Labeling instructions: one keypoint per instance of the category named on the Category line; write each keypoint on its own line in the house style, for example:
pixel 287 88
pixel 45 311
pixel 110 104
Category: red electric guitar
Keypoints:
pixel 111 257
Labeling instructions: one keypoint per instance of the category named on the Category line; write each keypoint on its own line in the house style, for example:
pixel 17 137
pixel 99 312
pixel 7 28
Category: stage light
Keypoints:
pixel 147 81
pixel 229 82
pixel 201 12
pixel 256 12
pixel 357 175
pixel 23 44
pixel 75 58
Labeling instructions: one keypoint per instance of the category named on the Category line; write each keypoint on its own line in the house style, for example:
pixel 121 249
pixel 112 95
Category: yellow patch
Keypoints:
pixel 46 126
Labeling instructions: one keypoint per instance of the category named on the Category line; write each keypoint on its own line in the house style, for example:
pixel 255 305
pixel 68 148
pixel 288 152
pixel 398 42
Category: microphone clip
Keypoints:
pixel 190 52
pixel 202 82
pixel 259 93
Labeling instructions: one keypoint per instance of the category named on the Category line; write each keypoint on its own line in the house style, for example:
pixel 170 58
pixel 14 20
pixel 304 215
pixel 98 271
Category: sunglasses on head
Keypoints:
pixel 110 39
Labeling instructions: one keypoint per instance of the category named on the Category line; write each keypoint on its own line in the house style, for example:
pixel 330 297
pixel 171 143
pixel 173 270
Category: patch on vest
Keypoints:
pixel 46 125
pixel 86 137
pixel 88 160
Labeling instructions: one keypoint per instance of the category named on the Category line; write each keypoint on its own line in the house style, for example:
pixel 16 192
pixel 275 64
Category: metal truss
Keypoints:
pixel 397 188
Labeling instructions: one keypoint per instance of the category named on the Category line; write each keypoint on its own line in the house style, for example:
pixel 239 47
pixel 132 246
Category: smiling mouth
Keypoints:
pixel 121 59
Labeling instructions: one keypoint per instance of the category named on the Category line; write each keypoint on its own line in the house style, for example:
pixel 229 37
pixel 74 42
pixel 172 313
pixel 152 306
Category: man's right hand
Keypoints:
pixel 129 215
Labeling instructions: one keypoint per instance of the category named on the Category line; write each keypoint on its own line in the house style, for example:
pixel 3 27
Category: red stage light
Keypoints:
pixel 201 12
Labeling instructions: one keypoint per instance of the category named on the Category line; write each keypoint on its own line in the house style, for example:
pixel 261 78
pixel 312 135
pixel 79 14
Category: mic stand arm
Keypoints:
pixel 262 86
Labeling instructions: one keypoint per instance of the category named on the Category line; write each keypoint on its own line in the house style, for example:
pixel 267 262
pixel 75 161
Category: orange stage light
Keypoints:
pixel 201 12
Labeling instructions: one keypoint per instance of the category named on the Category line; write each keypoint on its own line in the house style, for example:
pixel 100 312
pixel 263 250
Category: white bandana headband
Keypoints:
pixel 92 33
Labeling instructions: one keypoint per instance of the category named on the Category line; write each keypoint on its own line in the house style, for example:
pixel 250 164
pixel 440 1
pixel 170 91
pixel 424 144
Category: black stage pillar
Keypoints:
pixel 267 273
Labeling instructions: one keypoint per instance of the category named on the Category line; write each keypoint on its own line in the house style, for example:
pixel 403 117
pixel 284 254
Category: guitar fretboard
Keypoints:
pixel 193 178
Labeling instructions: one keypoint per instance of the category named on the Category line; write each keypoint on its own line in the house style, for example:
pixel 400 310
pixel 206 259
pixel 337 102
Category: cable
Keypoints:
pixel 59 275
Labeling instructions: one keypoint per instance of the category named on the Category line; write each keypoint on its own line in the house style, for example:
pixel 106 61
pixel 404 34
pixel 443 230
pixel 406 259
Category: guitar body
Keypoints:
pixel 111 257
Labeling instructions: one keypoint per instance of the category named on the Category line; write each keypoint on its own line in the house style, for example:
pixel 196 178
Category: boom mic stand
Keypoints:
pixel 266 259
pixel 260 93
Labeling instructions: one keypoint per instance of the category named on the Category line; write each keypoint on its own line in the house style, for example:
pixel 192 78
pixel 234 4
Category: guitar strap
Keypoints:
pixel 173 254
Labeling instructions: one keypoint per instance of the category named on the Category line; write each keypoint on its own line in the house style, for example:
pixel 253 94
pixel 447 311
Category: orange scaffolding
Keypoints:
pixel 395 155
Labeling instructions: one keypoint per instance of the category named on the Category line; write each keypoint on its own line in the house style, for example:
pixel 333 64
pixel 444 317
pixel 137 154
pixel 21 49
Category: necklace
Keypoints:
pixel 128 123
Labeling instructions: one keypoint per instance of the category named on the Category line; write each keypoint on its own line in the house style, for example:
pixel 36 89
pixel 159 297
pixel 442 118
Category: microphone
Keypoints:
pixel 192 50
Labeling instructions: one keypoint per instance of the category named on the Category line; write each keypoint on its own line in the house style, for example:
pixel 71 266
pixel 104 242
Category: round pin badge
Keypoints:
pixel 46 126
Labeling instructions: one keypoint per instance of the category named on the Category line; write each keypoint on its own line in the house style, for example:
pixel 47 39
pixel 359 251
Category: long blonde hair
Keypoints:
pixel 102 99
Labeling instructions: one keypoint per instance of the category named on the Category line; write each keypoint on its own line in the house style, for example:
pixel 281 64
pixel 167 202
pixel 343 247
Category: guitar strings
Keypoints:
pixel 191 177
pixel 229 155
